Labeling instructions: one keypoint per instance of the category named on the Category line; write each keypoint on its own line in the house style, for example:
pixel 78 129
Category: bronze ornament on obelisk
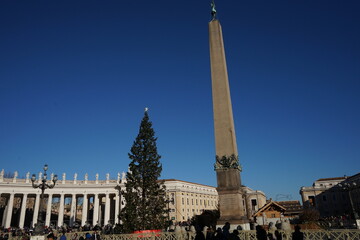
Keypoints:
pixel 231 199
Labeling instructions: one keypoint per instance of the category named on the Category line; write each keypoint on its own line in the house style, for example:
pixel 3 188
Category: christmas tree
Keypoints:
pixel 145 203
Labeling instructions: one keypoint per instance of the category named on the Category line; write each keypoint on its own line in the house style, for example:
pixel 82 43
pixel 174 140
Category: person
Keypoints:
pixel 297 235
pixel 260 233
pixel 278 235
pixel 87 236
pixel 234 235
pixel 74 237
pixel 270 236
pixel 63 237
pixel 219 234
pixel 226 230
pixel 209 233
pixel 95 236
pixel 50 236
pixel 199 235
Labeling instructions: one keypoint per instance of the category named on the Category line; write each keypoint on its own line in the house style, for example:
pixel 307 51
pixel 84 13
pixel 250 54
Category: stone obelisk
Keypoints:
pixel 227 167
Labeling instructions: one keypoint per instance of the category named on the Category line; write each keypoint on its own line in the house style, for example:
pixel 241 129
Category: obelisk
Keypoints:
pixel 227 167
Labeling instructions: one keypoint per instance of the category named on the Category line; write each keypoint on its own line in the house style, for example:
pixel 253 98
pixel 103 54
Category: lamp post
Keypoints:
pixel 39 229
pixel 168 201
pixel 349 186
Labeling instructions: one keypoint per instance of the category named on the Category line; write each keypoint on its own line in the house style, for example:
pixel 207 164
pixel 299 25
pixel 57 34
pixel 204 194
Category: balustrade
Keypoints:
pixel 343 234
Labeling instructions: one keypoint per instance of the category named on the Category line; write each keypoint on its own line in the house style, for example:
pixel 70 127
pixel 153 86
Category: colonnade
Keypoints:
pixel 77 202
pixel 103 206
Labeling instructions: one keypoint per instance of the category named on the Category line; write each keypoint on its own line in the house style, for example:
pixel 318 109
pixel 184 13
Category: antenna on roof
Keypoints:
pixel 283 196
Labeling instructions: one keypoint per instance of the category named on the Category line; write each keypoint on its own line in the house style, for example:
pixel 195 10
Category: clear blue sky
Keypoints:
pixel 75 77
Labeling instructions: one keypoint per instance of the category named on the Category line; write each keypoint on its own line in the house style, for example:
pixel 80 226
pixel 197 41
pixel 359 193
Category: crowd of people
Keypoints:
pixel 261 234
pixel 89 232
pixel 338 222
pixel 58 233
pixel 76 236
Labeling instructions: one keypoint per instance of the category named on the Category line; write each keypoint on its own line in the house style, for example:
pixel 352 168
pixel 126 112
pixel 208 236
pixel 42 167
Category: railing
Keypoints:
pixel 341 234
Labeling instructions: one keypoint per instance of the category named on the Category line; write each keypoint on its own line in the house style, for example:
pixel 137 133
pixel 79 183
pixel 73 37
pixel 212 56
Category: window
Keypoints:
pixel 312 200
pixel 253 204
pixel 182 200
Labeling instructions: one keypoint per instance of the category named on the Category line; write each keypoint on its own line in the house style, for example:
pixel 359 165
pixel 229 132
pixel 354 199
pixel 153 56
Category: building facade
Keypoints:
pixel 337 196
pixel 273 212
pixel 255 200
pixel 187 199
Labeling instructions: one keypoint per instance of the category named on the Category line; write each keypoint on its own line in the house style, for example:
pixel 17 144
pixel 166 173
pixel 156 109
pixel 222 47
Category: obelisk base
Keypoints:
pixel 232 204
pixel 232 210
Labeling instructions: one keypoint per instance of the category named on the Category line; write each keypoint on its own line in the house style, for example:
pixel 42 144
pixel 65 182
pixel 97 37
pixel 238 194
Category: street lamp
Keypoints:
pixel 39 229
pixel 349 187
pixel 168 201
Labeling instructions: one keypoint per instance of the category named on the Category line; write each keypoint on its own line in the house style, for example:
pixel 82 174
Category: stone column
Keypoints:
pixel 5 211
pixel 36 209
pixel 73 210
pixel 96 209
pixel 117 204
pixel 107 209
pixel 23 211
pixel 84 210
pixel 61 211
pixel 48 211
pixel 9 211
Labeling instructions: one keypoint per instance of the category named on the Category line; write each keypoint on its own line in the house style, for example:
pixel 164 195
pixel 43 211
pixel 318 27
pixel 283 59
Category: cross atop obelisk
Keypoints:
pixel 231 199
pixel 213 10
